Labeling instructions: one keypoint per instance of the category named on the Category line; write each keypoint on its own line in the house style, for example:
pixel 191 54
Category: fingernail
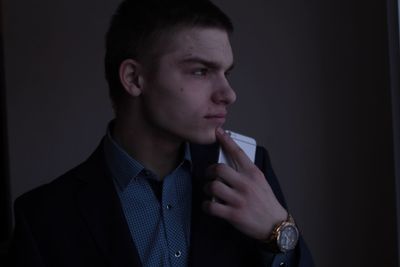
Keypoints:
pixel 220 131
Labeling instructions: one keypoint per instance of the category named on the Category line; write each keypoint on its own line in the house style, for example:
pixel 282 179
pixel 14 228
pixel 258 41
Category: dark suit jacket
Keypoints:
pixel 77 220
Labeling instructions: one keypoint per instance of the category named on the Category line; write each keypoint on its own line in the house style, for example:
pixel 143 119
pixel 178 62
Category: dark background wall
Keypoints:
pixel 312 80
pixel 5 207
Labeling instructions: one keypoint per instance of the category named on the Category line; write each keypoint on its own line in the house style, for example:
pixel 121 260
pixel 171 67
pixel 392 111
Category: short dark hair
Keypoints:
pixel 137 25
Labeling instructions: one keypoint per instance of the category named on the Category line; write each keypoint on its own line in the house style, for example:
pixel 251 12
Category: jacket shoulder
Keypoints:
pixel 62 188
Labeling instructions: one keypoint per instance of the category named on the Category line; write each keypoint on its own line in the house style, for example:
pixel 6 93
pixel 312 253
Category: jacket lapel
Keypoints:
pixel 207 242
pixel 100 207
pixel 214 242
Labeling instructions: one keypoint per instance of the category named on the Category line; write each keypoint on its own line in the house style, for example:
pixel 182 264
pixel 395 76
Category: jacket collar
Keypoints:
pixel 99 206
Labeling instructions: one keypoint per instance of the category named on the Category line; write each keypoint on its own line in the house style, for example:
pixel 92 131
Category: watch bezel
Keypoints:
pixel 285 227
pixel 274 242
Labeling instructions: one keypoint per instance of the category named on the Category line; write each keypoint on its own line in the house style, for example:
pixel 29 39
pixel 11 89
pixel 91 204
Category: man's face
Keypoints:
pixel 186 99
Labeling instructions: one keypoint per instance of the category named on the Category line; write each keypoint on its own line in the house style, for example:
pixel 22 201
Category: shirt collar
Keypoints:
pixel 123 167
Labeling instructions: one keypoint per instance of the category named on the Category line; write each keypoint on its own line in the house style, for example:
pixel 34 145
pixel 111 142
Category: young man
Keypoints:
pixel 152 193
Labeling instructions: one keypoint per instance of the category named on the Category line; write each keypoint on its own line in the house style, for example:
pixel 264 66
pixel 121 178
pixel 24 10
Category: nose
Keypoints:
pixel 224 94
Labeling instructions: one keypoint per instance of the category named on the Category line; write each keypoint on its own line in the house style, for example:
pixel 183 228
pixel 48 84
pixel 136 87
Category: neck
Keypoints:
pixel 155 152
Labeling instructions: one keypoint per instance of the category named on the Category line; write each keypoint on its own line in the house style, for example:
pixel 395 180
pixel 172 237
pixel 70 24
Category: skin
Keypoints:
pixel 187 99
pixel 248 201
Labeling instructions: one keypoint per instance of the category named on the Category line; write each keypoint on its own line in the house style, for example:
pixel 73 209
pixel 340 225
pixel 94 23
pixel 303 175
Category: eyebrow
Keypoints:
pixel 205 62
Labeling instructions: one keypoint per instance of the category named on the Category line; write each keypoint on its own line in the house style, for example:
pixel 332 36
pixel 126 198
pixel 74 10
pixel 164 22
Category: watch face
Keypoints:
pixel 288 237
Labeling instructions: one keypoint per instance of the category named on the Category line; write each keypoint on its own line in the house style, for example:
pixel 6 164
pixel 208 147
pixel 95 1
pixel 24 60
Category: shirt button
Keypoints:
pixel 282 264
pixel 178 254
pixel 169 207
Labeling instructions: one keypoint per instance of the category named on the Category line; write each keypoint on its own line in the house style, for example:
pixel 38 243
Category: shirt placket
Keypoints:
pixel 174 226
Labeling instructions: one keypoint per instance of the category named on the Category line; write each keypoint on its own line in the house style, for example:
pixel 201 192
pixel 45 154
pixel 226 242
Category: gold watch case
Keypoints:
pixel 284 236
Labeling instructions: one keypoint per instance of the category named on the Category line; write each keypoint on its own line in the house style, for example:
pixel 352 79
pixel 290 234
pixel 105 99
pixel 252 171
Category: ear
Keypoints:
pixel 131 77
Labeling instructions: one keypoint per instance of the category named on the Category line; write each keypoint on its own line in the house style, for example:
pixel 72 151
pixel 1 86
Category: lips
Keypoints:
pixel 221 115
pixel 217 117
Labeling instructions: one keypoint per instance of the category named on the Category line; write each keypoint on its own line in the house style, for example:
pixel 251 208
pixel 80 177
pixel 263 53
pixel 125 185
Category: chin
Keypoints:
pixel 204 138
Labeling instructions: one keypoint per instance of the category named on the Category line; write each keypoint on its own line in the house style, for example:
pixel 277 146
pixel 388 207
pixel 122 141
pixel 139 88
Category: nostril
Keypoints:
pixel 226 96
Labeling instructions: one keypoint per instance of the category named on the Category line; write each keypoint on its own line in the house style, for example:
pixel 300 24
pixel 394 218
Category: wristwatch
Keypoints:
pixel 284 236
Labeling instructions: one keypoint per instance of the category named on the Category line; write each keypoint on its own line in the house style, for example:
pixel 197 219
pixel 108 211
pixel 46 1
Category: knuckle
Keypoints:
pixel 240 203
pixel 254 172
pixel 211 208
pixel 245 188
pixel 238 150
pixel 253 169
pixel 214 186
pixel 230 215
pixel 219 168
pixel 235 217
pixel 210 170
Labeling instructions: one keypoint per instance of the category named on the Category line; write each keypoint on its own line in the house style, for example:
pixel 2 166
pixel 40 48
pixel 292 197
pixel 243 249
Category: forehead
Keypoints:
pixel 211 44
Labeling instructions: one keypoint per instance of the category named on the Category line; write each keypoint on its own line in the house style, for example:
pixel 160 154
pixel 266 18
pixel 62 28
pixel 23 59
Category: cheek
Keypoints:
pixel 176 105
pixel 193 102
pixel 177 98
pixel 185 98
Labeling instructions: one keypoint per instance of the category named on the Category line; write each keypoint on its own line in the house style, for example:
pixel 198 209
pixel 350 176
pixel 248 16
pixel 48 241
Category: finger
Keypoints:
pixel 225 173
pixel 233 150
pixel 217 209
pixel 223 193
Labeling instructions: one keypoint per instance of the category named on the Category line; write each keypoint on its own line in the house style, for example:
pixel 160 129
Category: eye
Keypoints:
pixel 200 72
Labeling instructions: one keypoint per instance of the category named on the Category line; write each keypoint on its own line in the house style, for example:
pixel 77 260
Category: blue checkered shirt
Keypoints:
pixel 159 226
